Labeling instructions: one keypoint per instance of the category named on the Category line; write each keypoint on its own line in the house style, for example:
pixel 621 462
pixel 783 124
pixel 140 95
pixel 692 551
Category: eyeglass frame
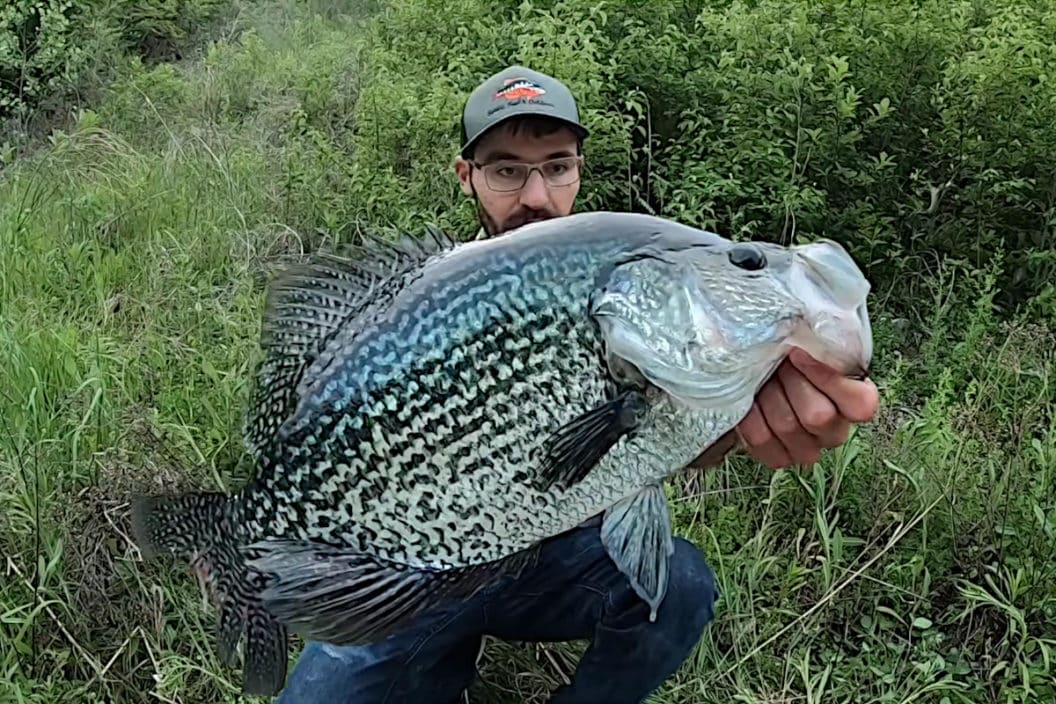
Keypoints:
pixel 577 160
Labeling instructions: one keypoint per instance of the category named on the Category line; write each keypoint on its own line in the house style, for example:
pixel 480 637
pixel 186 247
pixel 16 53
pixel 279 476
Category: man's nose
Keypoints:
pixel 534 194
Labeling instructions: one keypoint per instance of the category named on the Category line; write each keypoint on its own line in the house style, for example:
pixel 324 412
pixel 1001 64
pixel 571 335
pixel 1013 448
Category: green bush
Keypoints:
pixel 50 48
pixel 907 130
pixel 911 131
pixel 36 51
pixel 914 132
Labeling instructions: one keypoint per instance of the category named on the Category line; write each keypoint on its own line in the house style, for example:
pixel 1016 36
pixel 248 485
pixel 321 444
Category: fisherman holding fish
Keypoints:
pixel 521 161
pixel 457 439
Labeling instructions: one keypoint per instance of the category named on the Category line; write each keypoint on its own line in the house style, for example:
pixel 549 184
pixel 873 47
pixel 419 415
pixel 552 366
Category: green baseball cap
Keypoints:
pixel 514 92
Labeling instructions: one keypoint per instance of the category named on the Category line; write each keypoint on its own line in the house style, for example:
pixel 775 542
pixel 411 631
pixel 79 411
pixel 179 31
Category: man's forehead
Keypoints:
pixel 506 143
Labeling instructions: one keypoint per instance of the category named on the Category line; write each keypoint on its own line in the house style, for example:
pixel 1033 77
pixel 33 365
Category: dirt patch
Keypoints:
pixel 112 603
pixel 523 673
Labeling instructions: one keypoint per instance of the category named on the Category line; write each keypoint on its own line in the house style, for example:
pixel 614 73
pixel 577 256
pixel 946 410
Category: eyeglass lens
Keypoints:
pixel 510 176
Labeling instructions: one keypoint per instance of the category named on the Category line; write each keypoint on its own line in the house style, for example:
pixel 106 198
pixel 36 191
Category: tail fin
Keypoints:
pixel 195 528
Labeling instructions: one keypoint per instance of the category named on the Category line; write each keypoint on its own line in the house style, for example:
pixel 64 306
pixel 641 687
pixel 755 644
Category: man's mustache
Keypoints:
pixel 523 217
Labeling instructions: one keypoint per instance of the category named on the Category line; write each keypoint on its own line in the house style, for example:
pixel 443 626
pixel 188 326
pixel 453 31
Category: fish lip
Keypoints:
pixel 859 373
pixel 858 365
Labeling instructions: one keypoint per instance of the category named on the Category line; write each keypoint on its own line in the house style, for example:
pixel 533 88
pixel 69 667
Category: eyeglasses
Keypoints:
pixel 512 175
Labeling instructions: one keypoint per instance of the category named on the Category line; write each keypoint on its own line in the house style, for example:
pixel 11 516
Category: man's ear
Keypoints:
pixel 464 171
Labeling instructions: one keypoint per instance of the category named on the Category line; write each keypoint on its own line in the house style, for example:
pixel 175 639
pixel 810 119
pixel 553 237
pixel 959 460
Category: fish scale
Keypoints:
pixel 484 375
pixel 428 413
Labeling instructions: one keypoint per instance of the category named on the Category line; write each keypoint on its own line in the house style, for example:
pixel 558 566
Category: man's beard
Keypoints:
pixel 521 216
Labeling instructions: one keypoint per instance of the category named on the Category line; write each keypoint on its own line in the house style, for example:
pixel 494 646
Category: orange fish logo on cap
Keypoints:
pixel 519 89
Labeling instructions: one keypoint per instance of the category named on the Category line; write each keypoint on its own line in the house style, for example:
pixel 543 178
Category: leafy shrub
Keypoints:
pixel 37 53
pixel 908 131
pixel 913 132
pixel 48 48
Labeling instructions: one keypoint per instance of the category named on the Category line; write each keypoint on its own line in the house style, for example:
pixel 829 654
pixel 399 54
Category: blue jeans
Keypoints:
pixel 574 592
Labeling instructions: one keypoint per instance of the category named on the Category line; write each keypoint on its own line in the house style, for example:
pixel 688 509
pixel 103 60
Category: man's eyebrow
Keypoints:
pixel 507 156
pixel 503 156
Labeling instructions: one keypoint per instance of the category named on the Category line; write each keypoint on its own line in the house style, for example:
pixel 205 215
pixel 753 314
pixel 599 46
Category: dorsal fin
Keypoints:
pixel 309 302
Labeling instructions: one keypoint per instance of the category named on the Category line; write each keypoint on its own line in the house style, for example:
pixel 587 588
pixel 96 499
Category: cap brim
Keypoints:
pixel 522 111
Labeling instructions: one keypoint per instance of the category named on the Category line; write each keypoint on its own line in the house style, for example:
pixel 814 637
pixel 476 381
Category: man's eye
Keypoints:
pixel 507 171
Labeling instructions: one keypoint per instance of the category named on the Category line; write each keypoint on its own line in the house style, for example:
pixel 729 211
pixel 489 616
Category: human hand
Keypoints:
pixel 806 407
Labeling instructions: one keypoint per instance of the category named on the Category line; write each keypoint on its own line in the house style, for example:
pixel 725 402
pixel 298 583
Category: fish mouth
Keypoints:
pixel 864 370
pixel 846 343
pixel 836 291
pixel 837 347
pixel 858 373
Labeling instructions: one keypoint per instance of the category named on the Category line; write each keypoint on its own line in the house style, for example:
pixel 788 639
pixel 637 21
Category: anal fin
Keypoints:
pixel 264 672
pixel 636 533
pixel 243 621
pixel 575 448
pixel 345 597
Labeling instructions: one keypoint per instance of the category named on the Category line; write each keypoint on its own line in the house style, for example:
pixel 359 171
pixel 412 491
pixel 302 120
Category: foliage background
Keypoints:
pixel 157 157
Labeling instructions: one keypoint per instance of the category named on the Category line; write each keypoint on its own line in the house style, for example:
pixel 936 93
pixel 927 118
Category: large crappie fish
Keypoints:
pixel 429 412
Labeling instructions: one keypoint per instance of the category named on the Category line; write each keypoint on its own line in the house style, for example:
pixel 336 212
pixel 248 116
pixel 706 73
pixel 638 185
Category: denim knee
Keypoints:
pixel 689 605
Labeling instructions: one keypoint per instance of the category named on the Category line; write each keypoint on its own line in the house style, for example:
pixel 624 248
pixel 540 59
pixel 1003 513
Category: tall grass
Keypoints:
pixel 914 564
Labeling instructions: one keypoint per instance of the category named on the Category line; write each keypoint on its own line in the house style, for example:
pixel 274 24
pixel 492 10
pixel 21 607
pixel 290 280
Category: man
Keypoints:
pixel 520 162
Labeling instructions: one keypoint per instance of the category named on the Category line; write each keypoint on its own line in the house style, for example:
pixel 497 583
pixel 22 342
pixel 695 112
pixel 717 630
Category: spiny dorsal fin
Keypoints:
pixel 310 301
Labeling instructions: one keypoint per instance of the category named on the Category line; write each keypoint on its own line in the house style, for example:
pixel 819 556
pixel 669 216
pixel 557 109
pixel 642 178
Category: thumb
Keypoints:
pixel 856 400
pixel 819 374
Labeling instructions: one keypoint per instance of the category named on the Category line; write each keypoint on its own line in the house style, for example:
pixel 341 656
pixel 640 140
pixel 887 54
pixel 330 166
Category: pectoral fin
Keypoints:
pixel 573 450
pixel 636 533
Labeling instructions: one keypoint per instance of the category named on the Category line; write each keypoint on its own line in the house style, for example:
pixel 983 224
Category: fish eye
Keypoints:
pixel 747 257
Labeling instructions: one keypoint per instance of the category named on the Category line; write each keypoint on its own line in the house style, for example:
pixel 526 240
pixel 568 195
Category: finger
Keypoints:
pixel 760 441
pixel 814 410
pixel 857 401
pixel 800 445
